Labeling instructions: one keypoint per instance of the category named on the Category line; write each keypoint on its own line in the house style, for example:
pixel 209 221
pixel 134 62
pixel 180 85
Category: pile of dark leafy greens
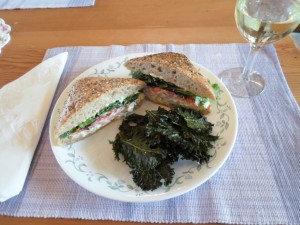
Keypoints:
pixel 150 144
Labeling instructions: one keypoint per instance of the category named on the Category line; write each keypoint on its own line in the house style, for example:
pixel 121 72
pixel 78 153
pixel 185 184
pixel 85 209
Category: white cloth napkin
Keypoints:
pixel 24 105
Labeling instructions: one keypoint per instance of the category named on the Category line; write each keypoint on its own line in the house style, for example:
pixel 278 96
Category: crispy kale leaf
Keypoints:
pixel 143 157
pixel 186 132
pixel 152 179
pixel 150 144
pixel 131 142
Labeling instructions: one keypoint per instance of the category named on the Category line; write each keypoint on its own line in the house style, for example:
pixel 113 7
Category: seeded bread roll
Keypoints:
pixel 174 68
pixel 91 94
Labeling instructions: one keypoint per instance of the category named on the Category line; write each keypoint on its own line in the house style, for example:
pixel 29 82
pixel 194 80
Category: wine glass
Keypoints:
pixel 260 22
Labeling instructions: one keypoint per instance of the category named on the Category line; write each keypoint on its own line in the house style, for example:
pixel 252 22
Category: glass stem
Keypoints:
pixel 250 61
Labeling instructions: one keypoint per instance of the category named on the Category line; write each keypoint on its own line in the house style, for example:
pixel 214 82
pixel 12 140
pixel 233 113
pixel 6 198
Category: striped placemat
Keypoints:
pixel 258 184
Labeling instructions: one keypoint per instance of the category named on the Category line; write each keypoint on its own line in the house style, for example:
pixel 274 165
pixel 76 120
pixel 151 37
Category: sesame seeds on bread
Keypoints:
pixel 174 68
pixel 89 95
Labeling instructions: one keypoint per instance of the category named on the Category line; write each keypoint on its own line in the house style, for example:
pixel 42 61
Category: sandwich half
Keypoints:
pixel 172 80
pixel 94 102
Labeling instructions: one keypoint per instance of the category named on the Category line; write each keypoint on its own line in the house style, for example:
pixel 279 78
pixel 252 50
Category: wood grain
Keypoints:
pixel 120 22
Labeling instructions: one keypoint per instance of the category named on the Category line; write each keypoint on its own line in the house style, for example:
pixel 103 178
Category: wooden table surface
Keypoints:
pixel 123 22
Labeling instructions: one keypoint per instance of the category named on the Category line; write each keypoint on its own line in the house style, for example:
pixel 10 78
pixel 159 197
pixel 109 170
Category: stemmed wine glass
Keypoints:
pixel 260 22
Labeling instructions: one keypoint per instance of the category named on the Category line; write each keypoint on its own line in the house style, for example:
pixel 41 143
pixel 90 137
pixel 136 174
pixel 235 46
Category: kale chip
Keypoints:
pixel 150 144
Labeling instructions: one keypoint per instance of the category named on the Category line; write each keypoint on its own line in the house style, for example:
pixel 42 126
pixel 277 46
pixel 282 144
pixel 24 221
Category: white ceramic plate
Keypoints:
pixel 91 163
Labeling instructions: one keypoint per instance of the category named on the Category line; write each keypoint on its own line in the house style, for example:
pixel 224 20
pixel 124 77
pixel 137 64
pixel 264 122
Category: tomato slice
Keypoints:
pixel 172 94
pixel 190 100
pixel 156 89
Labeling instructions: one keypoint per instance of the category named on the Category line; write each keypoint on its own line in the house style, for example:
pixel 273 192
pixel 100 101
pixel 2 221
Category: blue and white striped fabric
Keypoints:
pixel 31 4
pixel 258 184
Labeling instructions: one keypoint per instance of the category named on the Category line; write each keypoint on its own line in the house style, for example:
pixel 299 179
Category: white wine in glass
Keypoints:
pixel 260 22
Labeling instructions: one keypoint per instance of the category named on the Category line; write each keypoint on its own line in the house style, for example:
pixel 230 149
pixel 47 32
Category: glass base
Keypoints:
pixel 241 87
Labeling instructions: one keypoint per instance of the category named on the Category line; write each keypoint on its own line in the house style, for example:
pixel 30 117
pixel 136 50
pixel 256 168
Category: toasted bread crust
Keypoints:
pixel 89 95
pixel 174 68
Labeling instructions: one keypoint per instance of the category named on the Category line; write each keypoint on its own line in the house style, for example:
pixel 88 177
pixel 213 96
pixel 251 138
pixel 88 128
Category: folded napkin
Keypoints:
pixel 30 4
pixel 24 105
